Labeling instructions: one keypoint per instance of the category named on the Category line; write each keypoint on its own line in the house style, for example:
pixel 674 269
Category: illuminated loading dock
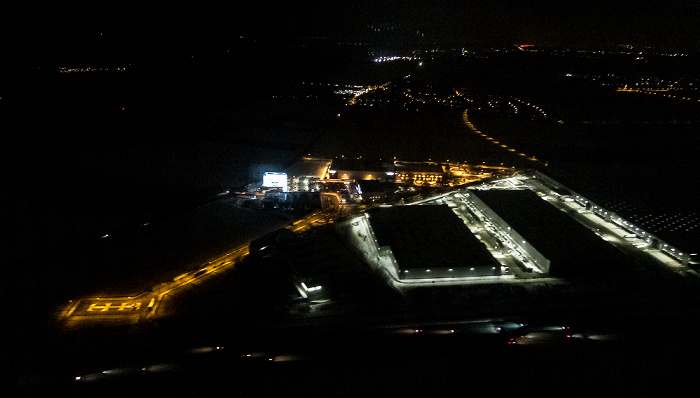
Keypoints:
pixel 507 234
pixel 572 249
pixel 428 242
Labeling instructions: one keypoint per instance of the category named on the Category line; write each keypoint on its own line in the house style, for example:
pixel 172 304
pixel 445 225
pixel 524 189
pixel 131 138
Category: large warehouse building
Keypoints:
pixel 572 249
pixel 422 242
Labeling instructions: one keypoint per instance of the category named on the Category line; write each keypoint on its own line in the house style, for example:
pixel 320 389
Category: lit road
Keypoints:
pixel 510 258
pixel 133 309
pixel 474 130
pixel 659 92
pixel 314 219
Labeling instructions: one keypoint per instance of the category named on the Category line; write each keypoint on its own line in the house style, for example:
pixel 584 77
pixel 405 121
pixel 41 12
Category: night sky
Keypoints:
pixel 59 28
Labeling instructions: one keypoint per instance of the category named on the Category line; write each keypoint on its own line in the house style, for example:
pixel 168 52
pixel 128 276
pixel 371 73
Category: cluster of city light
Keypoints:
pixel 674 55
pixel 451 100
pixel 343 89
pixel 413 99
pixel 534 107
pixel 394 58
pixel 89 69
pixel 641 81
pixel 494 141
pixel 655 92
pixel 356 98
pixel 665 83
pixel 355 91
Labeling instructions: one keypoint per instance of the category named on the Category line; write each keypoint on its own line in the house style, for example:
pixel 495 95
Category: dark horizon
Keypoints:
pixel 61 31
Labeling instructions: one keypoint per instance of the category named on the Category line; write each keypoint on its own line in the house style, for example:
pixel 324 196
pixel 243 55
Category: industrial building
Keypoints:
pixel 361 169
pixel 506 233
pixel 307 174
pixel 629 221
pixel 421 173
pixel 421 242
pixel 572 249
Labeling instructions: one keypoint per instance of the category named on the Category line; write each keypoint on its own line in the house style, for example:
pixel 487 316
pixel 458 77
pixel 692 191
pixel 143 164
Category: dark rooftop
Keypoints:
pixel 377 186
pixel 428 235
pixel 309 167
pixel 322 259
pixel 418 167
pixel 573 249
pixel 360 164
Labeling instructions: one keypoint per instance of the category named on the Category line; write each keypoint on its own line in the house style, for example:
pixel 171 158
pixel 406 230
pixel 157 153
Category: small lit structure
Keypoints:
pixel 275 180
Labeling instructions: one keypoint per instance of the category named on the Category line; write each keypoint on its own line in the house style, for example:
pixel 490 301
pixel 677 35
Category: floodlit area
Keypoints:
pixel 147 305
pixel 603 223
pixel 519 229
pixel 614 234
pixel 497 263
pixel 596 236
pixel 516 264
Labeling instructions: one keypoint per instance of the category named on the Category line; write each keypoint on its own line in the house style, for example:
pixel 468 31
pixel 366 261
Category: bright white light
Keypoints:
pixel 310 289
pixel 275 180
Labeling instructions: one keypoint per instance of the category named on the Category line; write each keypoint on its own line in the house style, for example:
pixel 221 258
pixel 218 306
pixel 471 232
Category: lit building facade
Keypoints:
pixel 420 173
pixel 361 169
pixel 420 243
